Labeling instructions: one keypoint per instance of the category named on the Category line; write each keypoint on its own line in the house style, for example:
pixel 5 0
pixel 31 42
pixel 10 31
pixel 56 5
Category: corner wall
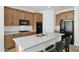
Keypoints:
pixel 76 26
pixel 48 21
pixel 1 28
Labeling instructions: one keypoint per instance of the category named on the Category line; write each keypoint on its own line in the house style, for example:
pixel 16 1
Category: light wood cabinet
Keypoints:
pixel 38 17
pixel 70 14
pixel 21 14
pixel 23 34
pixel 8 42
pixel 27 15
pixel 57 19
pixel 15 18
pixel 30 16
pixel 64 16
pixel 10 17
pixel 8 39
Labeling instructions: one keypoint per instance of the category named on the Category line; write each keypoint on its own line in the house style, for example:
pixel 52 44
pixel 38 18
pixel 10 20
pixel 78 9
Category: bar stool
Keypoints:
pixel 58 47
pixel 66 39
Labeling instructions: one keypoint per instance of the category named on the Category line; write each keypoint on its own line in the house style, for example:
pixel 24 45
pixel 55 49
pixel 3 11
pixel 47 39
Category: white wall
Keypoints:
pixel 1 28
pixel 48 21
pixel 76 26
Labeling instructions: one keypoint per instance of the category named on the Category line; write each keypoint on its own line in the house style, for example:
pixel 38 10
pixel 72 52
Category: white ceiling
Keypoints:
pixel 46 7
pixel 39 8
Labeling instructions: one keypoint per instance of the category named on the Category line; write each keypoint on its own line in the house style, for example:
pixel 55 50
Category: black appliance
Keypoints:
pixel 39 27
pixel 23 22
pixel 67 28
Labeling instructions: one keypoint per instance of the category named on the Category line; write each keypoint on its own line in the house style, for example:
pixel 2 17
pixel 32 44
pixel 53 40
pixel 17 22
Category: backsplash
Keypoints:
pixel 17 28
pixel 57 28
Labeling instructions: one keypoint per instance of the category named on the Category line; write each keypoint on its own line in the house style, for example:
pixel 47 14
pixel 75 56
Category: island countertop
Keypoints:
pixel 30 41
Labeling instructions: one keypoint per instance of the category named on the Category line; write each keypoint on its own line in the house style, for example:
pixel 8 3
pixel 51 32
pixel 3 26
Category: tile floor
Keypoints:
pixel 72 49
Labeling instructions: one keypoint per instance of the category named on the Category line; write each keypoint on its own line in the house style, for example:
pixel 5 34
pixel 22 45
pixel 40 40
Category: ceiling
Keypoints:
pixel 46 7
pixel 39 8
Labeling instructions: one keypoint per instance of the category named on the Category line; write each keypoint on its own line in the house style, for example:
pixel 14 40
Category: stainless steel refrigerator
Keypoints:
pixel 67 27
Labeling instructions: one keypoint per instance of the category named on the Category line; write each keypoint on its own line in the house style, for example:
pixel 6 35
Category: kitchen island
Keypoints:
pixel 36 42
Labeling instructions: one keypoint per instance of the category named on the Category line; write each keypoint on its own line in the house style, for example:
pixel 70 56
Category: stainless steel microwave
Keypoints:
pixel 23 22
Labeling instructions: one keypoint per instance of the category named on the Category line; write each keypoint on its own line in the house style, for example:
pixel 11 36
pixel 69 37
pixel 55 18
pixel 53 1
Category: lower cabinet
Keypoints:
pixel 23 34
pixel 8 39
pixel 8 42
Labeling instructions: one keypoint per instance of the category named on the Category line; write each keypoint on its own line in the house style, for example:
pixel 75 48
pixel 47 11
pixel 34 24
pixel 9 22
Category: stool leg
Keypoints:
pixel 67 49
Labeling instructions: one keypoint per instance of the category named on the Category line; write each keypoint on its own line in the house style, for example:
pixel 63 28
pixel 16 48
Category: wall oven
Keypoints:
pixel 39 27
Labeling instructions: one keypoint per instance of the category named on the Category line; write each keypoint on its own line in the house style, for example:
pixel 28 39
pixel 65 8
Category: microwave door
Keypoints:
pixel 24 22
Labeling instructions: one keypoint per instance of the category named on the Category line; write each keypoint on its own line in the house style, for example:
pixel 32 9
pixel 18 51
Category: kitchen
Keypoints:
pixel 25 22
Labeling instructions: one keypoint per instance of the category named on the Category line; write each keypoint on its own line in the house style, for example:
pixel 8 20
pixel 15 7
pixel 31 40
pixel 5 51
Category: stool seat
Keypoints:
pixel 49 47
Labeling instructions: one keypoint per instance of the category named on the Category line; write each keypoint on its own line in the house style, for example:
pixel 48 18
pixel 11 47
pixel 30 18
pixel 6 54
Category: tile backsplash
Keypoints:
pixel 57 28
pixel 17 28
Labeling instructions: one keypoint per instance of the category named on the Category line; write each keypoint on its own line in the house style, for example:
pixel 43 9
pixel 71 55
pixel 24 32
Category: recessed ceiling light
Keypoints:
pixel 48 6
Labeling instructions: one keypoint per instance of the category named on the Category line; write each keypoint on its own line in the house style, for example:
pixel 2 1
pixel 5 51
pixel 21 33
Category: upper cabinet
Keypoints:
pixel 58 19
pixel 65 16
pixel 70 14
pixel 13 16
pixel 21 14
pixel 10 17
pixel 38 17
pixel 29 16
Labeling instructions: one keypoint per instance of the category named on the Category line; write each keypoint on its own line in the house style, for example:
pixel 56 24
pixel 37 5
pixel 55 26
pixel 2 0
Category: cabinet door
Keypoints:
pixel 8 42
pixel 70 14
pixel 26 15
pixel 58 19
pixel 8 16
pixel 63 16
pixel 11 17
pixel 38 17
pixel 31 19
pixel 30 16
pixel 21 14
pixel 15 18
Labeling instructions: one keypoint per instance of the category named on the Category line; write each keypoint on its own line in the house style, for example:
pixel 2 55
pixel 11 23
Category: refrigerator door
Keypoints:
pixel 68 26
pixel 62 27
